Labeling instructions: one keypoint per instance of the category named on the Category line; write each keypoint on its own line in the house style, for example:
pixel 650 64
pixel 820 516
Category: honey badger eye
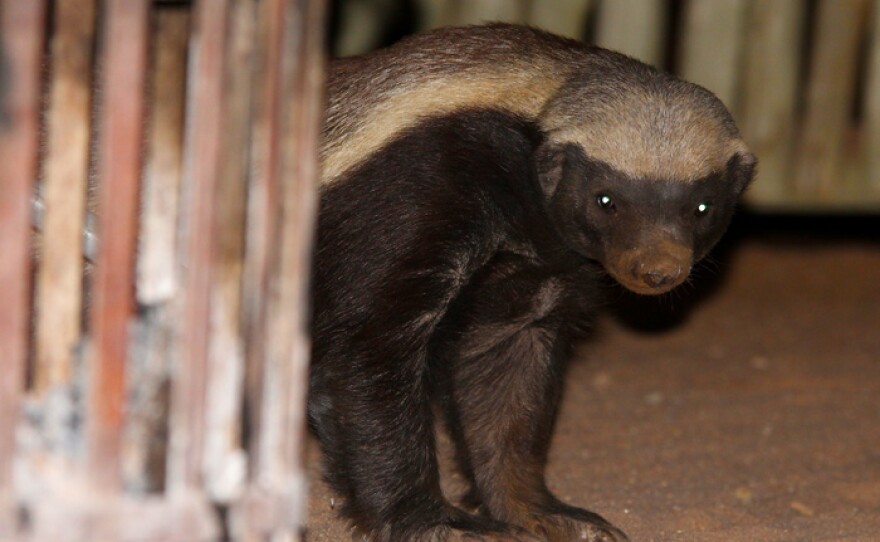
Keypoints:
pixel 702 209
pixel 605 202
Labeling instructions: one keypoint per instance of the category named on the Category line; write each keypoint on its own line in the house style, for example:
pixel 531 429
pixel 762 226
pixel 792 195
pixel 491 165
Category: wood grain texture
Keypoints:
pixel 203 147
pixel 634 27
pixel 119 168
pixel 711 46
pixel 564 17
pixel 263 209
pixel 872 105
pixel 278 298
pixel 21 41
pixel 158 265
pixel 830 95
pixel 224 454
pixel 771 91
pixel 59 281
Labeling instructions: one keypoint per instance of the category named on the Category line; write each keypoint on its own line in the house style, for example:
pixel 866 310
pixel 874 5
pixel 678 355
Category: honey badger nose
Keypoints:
pixel 658 274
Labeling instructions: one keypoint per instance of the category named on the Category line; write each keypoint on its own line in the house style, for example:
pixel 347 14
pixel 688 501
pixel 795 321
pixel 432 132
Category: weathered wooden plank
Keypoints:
pixel 224 455
pixel 144 440
pixel 119 162
pixel 872 105
pixel 284 393
pixel 564 17
pixel 263 208
pixel 711 46
pixel 770 92
pixel 59 280
pixel 511 11
pixel 157 279
pixel 275 504
pixel 830 95
pixel 21 41
pixel 203 145
pixel 458 12
pixel 634 27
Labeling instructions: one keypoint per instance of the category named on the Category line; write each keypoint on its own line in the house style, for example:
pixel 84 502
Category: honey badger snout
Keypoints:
pixel 658 273
pixel 652 269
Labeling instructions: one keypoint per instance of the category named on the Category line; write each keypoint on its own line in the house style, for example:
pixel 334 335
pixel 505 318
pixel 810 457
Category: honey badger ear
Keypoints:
pixel 550 164
pixel 741 169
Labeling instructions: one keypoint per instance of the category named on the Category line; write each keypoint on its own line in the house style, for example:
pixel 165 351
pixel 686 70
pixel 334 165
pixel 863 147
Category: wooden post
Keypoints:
pixel 564 17
pixel 770 93
pixel 203 145
pixel 263 209
pixel 21 41
pixel 872 106
pixel 275 503
pixel 224 454
pixel 158 280
pixel 288 341
pixel 119 168
pixel 830 95
pixel 634 27
pixel 711 46
pixel 59 282
pixel 458 12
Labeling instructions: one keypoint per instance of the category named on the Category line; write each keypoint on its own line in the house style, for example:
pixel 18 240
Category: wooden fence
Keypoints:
pixel 184 139
pixel 802 77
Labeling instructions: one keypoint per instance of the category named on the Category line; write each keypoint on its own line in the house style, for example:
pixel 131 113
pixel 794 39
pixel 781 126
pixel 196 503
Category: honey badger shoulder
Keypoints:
pixel 477 184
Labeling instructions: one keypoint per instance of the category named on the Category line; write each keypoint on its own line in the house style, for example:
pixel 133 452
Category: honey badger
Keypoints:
pixel 477 184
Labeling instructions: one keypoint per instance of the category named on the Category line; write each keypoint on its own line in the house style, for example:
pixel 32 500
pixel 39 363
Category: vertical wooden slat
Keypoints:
pixel 263 207
pixel 459 12
pixel 300 171
pixel 203 143
pixel 564 17
pixel 157 280
pixel 285 154
pixel 634 27
pixel 21 39
pixel 59 283
pixel 122 107
pixel 158 283
pixel 224 457
pixel 830 94
pixel 770 92
pixel 512 11
pixel 711 46
pixel 872 104
pixel 284 392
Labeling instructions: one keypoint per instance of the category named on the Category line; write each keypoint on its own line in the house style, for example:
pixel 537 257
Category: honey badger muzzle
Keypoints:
pixel 655 267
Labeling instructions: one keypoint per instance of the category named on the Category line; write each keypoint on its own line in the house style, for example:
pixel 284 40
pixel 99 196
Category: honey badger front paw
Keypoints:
pixel 574 524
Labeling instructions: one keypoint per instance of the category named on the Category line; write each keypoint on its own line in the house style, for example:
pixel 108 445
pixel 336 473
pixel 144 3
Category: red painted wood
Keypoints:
pixel 119 168
pixel 203 143
pixel 21 36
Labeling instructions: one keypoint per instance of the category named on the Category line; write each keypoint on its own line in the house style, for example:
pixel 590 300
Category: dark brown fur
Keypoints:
pixel 473 194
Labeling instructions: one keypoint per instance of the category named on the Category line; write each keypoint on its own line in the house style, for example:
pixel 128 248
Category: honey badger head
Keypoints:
pixel 641 171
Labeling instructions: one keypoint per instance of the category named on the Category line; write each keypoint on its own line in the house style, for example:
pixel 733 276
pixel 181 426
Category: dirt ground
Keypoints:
pixel 746 409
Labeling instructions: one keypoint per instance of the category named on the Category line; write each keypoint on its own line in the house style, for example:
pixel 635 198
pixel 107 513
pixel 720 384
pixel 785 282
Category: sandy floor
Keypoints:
pixel 745 411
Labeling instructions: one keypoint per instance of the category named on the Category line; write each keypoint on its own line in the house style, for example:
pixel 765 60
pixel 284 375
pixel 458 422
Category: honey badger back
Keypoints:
pixel 472 195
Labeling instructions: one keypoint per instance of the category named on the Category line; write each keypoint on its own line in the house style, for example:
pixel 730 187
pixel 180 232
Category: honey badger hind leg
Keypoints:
pixel 498 356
